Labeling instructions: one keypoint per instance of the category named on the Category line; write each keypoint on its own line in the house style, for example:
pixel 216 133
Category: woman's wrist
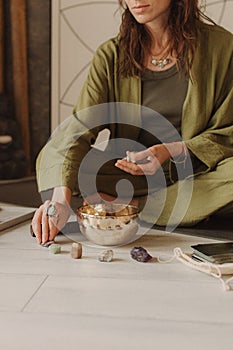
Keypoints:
pixel 175 149
pixel 178 152
pixel 62 195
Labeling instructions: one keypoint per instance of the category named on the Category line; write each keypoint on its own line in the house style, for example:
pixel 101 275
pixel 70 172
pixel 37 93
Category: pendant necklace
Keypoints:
pixel 161 63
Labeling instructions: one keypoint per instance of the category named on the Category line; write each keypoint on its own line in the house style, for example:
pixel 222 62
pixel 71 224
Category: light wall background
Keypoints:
pixel 78 28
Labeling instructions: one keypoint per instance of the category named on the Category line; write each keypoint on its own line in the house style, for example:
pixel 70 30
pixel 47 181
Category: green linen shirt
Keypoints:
pixel 207 116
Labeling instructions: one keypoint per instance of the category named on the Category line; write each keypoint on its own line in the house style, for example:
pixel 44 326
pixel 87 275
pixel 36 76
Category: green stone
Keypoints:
pixel 55 248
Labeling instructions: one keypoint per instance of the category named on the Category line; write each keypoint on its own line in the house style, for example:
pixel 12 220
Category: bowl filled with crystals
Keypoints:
pixel 109 224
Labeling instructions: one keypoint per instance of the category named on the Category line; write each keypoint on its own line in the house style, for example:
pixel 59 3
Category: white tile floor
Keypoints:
pixel 55 302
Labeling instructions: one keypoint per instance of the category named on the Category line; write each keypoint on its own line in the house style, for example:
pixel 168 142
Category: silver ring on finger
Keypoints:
pixel 51 211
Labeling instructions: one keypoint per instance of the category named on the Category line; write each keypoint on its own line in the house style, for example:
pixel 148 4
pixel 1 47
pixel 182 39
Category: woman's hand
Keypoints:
pixel 147 162
pixel 46 223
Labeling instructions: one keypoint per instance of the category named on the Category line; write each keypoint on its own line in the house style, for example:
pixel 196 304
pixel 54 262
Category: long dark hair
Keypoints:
pixel 135 40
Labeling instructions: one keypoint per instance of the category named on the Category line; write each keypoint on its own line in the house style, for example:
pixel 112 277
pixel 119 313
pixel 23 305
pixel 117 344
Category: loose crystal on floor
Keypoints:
pixel 140 254
pixel 76 250
pixel 106 256
pixel 55 249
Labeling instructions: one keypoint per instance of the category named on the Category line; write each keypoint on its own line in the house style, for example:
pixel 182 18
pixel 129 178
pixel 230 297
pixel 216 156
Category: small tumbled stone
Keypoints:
pixel 55 248
pixel 47 244
pixel 106 256
pixel 140 254
pixel 76 250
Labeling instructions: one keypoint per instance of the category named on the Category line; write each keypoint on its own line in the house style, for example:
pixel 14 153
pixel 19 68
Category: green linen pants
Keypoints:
pixel 212 193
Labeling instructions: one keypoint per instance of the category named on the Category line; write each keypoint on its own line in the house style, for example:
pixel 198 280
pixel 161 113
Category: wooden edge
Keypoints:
pixel 1 48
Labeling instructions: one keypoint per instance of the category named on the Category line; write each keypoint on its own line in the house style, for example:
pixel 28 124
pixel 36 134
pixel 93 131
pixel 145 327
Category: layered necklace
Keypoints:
pixel 161 62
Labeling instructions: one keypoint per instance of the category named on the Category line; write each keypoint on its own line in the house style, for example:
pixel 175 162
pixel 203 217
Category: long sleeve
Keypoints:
pixel 207 125
pixel 59 160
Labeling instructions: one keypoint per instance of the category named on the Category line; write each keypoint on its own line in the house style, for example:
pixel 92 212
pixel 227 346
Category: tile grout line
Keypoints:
pixel 147 319
pixel 37 289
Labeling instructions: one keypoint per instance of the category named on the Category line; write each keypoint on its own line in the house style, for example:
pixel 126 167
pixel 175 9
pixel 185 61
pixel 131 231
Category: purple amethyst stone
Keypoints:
pixel 140 254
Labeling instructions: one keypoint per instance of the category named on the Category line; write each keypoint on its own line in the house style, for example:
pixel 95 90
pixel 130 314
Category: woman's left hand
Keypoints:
pixel 147 162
